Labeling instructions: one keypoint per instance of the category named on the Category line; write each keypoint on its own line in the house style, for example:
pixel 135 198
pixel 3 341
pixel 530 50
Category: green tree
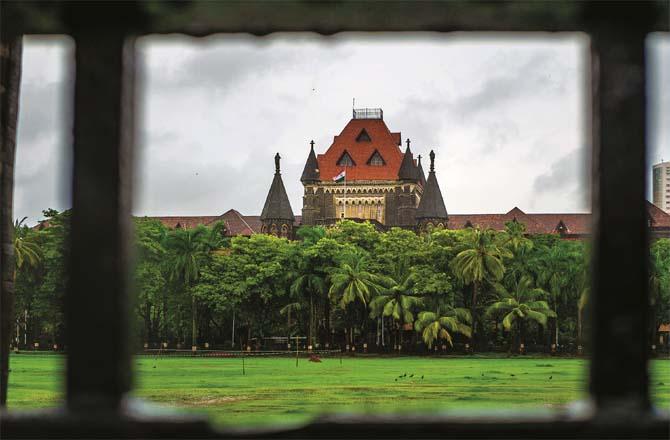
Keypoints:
pixel 26 251
pixel 481 259
pixel 442 323
pixel 520 304
pixel 397 301
pixel 352 283
pixel 189 251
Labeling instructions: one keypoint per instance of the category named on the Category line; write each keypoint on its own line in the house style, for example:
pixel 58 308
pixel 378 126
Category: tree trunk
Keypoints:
pixel 579 328
pixel 327 317
pixel 473 307
pixel 10 81
pixel 311 321
pixel 193 329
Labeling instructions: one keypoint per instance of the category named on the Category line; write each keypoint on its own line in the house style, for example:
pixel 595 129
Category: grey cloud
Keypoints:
pixel 513 81
pixel 567 174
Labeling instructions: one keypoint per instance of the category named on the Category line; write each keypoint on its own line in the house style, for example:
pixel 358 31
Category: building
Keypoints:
pixel 365 176
pixel 661 185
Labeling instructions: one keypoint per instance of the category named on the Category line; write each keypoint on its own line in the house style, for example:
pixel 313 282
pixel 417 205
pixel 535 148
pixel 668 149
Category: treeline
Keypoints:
pixel 347 285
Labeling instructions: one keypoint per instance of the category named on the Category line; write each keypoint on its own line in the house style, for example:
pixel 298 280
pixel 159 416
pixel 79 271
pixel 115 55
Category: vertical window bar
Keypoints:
pixel 99 363
pixel 619 294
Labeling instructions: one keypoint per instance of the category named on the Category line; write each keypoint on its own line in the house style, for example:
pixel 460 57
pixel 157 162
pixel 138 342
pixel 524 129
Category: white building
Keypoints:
pixel 661 185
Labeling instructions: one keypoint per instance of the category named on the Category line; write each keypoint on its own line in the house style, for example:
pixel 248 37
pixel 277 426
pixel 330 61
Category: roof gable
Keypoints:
pixel 376 159
pixel 363 136
pixel 381 140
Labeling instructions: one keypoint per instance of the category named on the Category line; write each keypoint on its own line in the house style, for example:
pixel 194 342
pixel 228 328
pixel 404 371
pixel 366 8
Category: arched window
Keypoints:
pixel 284 230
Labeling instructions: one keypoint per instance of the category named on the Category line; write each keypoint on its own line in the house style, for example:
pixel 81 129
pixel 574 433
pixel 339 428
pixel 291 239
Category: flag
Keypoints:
pixel 340 177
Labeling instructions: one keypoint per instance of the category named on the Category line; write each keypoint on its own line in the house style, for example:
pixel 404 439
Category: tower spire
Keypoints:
pixel 310 173
pixel 431 210
pixel 277 216
pixel 408 171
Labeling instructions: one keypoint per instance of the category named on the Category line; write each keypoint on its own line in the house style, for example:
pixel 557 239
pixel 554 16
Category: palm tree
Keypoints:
pixel 312 283
pixel 25 251
pixel 581 306
pixel 522 303
pixel 351 282
pixel 442 323
pixel 482 259
pixel 555 271
pixel 189 251
pixel 397 301
pixel 514 238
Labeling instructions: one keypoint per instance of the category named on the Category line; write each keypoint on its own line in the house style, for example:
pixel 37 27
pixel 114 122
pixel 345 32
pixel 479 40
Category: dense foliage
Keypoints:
pixel 344 285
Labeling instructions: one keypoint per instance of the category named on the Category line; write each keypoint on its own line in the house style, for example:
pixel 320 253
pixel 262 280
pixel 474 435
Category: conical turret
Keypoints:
pixel 277 216
pixel 408 171
pixel 311 171
pixel 431 211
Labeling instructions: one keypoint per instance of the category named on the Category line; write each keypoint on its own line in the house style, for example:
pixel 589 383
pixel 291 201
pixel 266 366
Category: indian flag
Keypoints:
pixel 340 177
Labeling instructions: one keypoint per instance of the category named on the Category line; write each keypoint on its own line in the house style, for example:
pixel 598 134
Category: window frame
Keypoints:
pixel 104 103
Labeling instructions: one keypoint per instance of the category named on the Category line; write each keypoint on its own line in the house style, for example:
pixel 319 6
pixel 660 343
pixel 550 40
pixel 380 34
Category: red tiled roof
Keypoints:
pixel 186 222
pixel 382 140
pixel 238 224
pixel 575 224
pixel 659 218
pixel 578 224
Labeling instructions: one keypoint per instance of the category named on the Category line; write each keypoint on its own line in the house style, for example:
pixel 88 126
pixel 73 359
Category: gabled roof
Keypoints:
pixel 381 139
pixel 408 170
pixel 311 171
pixel 432 203
pixel 658 217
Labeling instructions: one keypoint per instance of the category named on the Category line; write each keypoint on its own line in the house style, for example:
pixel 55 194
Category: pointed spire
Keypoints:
pixel 311 171
pixel 421 174
pixel 431 205
pixel 408 171
pixel 277 205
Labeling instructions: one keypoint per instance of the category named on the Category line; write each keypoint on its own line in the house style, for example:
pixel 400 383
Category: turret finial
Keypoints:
pixel 312 143
pixel 408 142
pixel 432 161
pixel 419 157
pixel 277 157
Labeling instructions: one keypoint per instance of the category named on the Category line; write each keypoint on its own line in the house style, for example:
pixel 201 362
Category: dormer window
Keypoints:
pixel 345 160
pixel 376 160
pixel 363 136
pixel 561 228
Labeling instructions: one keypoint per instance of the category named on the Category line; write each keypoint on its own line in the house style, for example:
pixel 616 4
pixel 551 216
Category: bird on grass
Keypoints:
pixel 411 375
pixel 422 377
pixel 551 377
pixel 512 375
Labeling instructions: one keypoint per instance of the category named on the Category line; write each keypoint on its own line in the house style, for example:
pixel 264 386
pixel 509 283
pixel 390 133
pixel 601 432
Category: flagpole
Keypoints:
pixel 345 192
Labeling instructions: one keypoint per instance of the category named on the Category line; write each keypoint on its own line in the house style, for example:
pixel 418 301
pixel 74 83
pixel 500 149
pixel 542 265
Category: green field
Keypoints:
pixel 275 391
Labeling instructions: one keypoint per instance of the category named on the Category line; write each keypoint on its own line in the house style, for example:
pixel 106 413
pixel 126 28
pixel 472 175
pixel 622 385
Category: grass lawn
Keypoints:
pixel 275 391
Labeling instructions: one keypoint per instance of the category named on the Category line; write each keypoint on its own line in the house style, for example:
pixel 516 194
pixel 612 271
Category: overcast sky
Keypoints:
pixel 506 117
